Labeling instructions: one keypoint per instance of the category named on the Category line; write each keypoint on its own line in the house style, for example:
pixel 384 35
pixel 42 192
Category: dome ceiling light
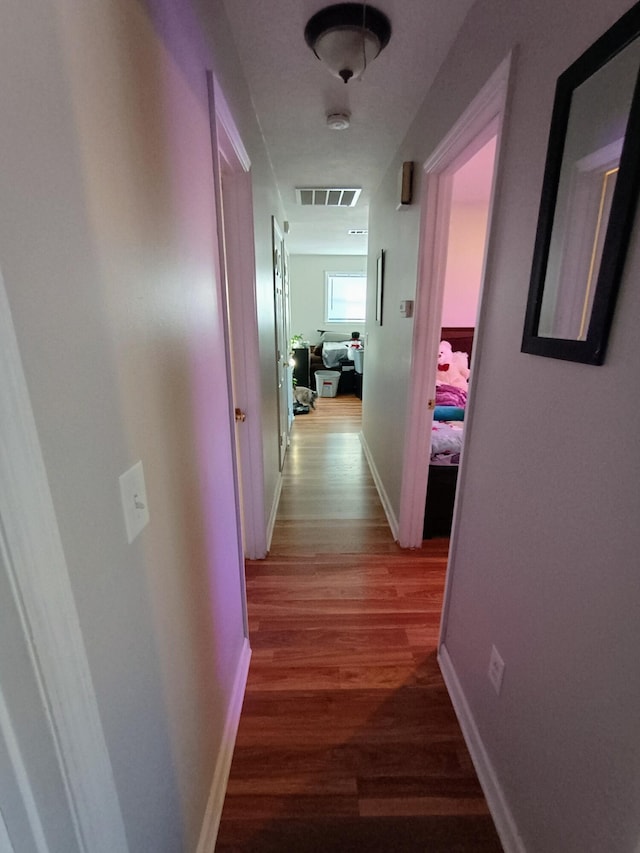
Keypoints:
pixel 347 37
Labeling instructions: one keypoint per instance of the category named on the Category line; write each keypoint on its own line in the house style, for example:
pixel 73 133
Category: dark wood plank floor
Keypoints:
pixel 348 740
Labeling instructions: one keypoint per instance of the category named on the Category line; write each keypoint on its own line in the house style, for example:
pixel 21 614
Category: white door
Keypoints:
pixel 235 234
pixel 286 282
pixel 283 371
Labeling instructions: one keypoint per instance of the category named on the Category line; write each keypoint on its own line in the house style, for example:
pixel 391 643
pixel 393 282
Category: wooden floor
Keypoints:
pixel 347 741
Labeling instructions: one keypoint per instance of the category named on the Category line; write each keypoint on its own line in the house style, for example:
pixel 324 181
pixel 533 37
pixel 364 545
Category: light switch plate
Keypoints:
pixel 133 494
pixel 406 308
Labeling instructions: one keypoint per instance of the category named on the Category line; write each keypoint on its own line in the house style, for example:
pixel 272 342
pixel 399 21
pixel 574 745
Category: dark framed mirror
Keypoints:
pixel 589 196
pixel 379 286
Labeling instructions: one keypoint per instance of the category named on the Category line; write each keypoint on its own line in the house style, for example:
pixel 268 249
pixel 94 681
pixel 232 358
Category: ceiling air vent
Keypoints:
pixel 327 196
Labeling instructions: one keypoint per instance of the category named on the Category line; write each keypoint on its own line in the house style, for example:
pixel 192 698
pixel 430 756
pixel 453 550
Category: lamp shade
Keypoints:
pixel 347 37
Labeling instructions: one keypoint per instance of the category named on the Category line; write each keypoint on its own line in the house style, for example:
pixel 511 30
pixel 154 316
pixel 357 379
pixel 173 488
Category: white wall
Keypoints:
pixel 467 232
pixel 307 293
pixel 108 253
pixel 546 564
pixel 470 197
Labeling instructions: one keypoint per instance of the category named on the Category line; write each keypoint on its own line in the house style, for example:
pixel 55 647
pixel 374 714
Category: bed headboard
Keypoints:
pixel 460 338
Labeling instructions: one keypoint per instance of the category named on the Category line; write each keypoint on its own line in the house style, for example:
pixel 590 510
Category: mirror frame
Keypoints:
pixel 379 286
pixel 618 230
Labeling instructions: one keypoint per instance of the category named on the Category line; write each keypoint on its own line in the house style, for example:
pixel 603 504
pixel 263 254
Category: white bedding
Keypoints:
pixel 446 442
pixel 333 351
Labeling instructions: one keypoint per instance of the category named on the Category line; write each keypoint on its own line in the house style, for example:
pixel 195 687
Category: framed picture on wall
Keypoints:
pixel 379 286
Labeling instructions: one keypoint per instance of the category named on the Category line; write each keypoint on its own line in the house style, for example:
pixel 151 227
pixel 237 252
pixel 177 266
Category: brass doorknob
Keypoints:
pixel 240 416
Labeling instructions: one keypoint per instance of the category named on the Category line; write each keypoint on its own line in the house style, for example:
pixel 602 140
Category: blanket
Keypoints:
pixel 449 395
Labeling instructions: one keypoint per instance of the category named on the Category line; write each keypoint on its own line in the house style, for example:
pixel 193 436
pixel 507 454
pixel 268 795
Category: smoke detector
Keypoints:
pixel 338 121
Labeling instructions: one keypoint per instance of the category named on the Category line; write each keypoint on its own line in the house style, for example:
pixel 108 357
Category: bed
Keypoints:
pixel 446 444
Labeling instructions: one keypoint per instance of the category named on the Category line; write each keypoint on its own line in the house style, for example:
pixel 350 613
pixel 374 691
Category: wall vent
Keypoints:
pixel 327 196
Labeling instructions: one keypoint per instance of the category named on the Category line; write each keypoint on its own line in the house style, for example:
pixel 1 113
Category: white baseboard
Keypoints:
pixel 213 813
pixel 274 511
pixel 384 497
pixel 498 806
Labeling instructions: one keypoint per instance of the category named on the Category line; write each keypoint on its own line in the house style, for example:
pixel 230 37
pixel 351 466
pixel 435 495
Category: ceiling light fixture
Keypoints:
pixel 338 121
pixel 347 37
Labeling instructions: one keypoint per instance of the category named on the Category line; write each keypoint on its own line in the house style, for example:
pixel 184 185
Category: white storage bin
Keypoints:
pixel 358 358
pixel 327 382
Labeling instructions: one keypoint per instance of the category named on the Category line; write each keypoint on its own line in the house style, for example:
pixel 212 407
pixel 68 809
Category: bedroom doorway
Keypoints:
pixel 452 176
pixel 469 206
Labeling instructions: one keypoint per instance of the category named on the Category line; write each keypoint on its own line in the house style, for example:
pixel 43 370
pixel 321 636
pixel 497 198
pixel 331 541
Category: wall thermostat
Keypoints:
pixel 406 308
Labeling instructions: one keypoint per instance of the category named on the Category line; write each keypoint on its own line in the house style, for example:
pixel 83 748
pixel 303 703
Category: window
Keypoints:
pixel 345 297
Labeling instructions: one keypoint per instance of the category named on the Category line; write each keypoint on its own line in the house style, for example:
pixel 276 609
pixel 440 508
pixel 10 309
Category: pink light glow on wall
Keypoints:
pixel 467 235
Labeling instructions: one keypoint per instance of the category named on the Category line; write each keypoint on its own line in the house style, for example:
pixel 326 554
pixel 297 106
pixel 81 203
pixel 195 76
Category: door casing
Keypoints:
pixel 37 573
pixel 483 119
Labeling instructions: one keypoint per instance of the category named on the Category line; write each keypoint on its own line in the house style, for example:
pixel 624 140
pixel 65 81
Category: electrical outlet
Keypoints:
pixel 496 669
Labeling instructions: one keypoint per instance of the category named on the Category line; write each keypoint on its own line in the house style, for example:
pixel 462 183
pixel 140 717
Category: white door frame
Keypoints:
pixel 481 120
pixel 232 173
pixel 5 842
pixel 35 563
pixel 27 823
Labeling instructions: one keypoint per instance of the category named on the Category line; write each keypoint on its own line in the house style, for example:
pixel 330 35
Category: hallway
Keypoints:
pixel 329 503
pixel 347 741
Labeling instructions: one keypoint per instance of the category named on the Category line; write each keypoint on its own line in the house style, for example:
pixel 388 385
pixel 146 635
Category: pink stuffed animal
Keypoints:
pixel 453 367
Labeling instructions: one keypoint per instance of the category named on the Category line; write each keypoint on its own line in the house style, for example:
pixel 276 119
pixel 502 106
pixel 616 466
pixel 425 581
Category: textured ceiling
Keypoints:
pixel 293 92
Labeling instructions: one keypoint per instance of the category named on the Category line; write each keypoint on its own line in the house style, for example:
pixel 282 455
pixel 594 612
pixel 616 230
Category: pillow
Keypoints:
pixel 448 413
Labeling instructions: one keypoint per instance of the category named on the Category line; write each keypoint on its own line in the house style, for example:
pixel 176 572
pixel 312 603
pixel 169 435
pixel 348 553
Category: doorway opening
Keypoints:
pixel 456 205
pixel 470 200
pixel 328 307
